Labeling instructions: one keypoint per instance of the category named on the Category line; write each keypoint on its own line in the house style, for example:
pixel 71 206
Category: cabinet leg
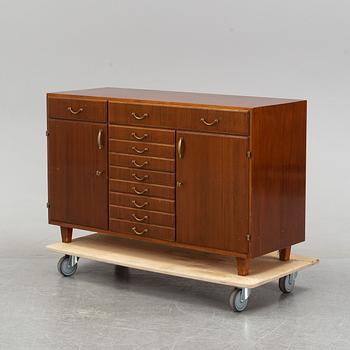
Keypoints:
pixel 285 254
pixel 66 234
pixel 242 266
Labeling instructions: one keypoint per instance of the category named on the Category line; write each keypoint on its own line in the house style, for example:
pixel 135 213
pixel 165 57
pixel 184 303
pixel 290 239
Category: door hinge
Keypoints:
pixel 248 237
pixel 47 205
pixel 47 133
pixel 249 154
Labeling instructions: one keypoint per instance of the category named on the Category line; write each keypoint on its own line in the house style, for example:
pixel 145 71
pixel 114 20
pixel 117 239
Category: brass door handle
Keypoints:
pixel 180 147
pixel 139 178
pixel 139 233
pixel 99 139
pixel 99 172
pixel 139 205
pixel 215 121
pixel 70 109
pixel 139 219
pixel 139 165
pixel 140 151
pixel 139 138
pixel 139 192
pixel 139 117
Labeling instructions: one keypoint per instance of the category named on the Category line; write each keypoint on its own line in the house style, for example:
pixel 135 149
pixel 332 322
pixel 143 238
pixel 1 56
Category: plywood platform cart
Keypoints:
pixel 217 175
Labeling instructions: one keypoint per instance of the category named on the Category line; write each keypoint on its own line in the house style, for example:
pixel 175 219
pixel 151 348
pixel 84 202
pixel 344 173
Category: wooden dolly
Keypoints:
pixel 182 263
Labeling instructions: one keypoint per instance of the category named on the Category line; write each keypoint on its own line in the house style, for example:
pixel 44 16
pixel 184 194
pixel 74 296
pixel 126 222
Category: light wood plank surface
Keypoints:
pixel 181 262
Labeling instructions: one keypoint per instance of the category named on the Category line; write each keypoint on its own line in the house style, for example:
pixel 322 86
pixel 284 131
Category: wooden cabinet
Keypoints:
pixel 221 174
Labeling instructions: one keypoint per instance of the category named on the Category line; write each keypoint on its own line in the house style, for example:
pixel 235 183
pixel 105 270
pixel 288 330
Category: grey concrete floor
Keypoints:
pixel 100 308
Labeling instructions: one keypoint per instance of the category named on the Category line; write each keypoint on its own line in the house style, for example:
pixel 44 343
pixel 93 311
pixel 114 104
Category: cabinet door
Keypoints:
pixel 77 169
pixel 212 191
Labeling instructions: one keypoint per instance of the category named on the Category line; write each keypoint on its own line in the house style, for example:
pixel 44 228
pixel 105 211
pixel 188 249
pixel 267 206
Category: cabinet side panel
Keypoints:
pixel 278 171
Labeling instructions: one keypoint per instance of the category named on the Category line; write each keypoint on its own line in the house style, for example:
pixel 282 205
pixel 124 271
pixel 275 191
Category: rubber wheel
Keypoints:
pixel 236 301
pixel 64 268
pixel 286 284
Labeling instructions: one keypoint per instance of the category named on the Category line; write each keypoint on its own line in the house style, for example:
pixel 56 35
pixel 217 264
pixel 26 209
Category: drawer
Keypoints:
pixel 142 189
pixel 147 203
pixel 133 133
pixel 142 216
pixel 151 231
pixel 146 149
pixel 185 118
pixel 77 109
pixel 142 163
pixel 143 176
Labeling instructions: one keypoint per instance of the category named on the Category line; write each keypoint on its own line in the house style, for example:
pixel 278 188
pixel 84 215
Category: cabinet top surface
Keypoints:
pixel 172 97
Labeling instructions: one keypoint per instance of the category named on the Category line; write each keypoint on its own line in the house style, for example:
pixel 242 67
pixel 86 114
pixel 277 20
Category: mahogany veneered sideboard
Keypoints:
pixel 217 173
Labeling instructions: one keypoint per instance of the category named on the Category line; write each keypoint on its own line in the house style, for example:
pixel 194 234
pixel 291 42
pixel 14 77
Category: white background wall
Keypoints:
pixel 295 49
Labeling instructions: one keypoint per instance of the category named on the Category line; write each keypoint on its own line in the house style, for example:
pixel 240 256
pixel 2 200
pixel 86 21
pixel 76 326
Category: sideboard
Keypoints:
pixel 217 173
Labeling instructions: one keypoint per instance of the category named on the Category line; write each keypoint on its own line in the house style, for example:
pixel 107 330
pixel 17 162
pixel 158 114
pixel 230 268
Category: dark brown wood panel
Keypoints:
pixel 77 109
pixel 143 176
pixel 209 120
pixel 144 149
pixel 133 133
pixel 151 231
pixel 142 216
pixel 142 189
pixel 142 163
pixel 212 202
pixel 278 145
pixel 76 194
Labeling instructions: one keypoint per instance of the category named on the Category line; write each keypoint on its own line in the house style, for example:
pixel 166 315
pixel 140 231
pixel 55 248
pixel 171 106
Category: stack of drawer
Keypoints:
pixel 142 181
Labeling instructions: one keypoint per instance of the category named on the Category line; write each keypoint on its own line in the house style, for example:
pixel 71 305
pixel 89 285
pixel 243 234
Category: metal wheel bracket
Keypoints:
pixel 245 294
pixel 292 277
pixel 72 261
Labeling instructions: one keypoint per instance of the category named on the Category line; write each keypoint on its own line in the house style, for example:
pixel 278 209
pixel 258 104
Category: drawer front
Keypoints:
pixel 146 203
pixel 133 133
pixel 196 119
pixel 144 149
pixel 142 216
pixel 142 176
pixel 152 231
pixel 77 109
pixel 142 189
pixel 142 163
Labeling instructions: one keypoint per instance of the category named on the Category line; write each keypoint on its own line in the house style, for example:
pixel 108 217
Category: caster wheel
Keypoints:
pixel 237 301
pixel 65 268
pixel 287 283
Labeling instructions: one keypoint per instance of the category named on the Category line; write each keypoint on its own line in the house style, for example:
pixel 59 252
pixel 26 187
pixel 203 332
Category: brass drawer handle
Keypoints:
pixel 139 192
pixel 139 219
pixel 209 123
pixel 180 147
pixel 139 178
pixel 139 205
pixel 140 151
pixel 139 117
pixel 99 139
pixel 139 233
pixel 139 138
pixel 75 112
pixel 99 172
pixel 139 165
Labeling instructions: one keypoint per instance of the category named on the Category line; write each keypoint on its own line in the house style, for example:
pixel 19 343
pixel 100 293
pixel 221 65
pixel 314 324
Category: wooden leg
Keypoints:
pixel 66 234
pixel 242 266
pixel 285 254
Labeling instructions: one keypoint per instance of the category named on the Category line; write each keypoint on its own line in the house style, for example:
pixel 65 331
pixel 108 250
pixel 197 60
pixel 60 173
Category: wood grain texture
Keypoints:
pixel 181 262
pixel 150 231
pixel 278 171
pixel 242 266
pixel 133 133
pixel 76 194
pixel 147 216
pixel 212 203
pixel 66 234
pixel 284 254
pixel 139 162
pixel 147 189
pixel 88 110
pixel 145 176
pixel 182 118
pixel 177 98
